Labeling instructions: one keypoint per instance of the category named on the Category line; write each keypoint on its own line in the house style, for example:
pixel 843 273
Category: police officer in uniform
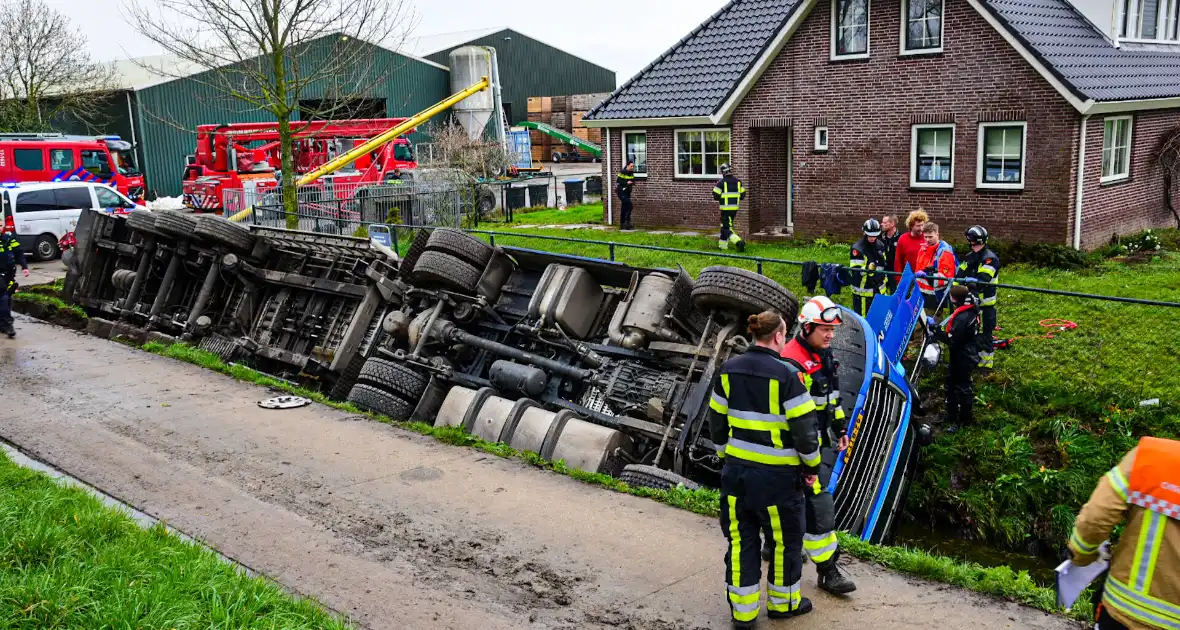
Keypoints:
pixel 11 255
pixel 811 352
pixel 624 184
pixel 729 193
pixel 867 256
pixel 763 422
pixel 960 332
pixel 980 270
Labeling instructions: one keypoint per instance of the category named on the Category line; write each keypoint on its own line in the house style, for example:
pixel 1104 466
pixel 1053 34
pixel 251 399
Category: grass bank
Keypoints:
pixel 68 561
pixel 997 581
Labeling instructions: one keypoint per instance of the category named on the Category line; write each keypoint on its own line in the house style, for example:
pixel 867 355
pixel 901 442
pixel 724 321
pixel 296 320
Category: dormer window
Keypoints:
pixel 1149 20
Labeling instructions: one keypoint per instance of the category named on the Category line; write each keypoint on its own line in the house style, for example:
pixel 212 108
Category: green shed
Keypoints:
pixel 528 67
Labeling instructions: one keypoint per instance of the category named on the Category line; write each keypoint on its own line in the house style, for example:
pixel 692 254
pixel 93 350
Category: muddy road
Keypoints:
pixel 393 529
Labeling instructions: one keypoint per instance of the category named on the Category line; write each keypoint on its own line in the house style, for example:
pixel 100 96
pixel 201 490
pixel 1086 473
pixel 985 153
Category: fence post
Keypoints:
pixel 612 252
pixel 492 239
pixel 760 267
pixel 395 245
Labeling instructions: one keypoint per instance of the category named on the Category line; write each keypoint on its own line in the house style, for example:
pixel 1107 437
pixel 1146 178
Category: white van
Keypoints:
pixel 43 212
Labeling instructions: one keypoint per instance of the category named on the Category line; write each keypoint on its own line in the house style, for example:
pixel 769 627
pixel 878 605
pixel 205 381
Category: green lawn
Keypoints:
pixel 68 561
pixel 1053 416
pixel 589 213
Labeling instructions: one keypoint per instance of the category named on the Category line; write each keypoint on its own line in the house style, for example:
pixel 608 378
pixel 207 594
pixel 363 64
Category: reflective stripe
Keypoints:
pixel 989 270
pixel 1147 552
pixel 1143 607
pixel 839 413
pixel 1118 481
pixel 735 544
pixel 763 454
pixel 811 459
pixel 802 408
pixel 820 547
pixel 988 301
pixel 820 401
pixel 1082 546
pixel 858 262
pixel 718 403
pixel 776 531
pixel 745 595
pixel 834 397
pixel 775 423
pixel 862 292
pixel 725 384
pixel 775 403
pixel 783 598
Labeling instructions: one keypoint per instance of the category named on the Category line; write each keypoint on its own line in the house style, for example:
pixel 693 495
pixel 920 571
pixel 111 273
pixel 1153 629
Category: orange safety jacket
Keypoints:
pixel 1142 590
pixel 942 258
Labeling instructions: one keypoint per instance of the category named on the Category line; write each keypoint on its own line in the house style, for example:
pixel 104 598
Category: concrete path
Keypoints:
pixel 394 529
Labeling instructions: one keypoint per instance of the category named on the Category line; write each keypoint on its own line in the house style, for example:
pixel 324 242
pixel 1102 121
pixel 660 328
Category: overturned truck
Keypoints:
pixel 602 365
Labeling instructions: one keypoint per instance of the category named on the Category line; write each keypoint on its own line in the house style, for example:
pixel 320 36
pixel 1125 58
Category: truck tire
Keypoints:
pixel 746 292
pixel 641 476
pixel 444 270
pixel 176 224
pixel 417 246
pixel 215 229
pixel 396 378
pixel 143 221
pixel 379 401
pixel 461 245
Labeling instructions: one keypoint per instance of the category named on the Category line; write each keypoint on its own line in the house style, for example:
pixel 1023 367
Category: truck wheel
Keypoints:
pixel 444 270
pixel 744 292
pixel 143 221
pixel 641 476
pixel 215 229
pixel 556 158
pixel 379 401
pixel 487 204
pixel 176 224
pixel 388 388
pixel 45 248
pixel 417 246
pixel 461 245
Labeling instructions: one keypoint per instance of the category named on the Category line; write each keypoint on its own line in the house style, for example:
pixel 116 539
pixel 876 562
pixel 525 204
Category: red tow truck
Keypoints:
pixel 248 156
pixel 55 157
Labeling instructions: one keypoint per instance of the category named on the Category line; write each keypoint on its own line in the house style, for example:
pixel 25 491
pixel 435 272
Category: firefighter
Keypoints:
pixel 11 255
pixel 1142 588
pixel 935 258
pixel 980 270
pixel 624 183
pixel 810 351
pixel 959 332
pixel 889 237
pixel 867 256
pixel 729 193
pixel 763 422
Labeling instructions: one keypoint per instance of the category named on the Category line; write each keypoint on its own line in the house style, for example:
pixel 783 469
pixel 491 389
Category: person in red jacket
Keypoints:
pixel 908 244
pixel 935 258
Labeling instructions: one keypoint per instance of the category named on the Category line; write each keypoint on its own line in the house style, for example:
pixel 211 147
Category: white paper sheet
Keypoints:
pixel 1072 580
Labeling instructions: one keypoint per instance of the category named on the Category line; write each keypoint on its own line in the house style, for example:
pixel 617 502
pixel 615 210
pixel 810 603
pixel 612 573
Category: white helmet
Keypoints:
pixel 820 310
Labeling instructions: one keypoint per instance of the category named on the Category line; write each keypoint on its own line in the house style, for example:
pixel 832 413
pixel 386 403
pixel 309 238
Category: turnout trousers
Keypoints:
pixel 986 340
pixel 6 301
pixel 819 540
pixel 960 391
pixel 762 500
pixel 625 217
pixel 728 234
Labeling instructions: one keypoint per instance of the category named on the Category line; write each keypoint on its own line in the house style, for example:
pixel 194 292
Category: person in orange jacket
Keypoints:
pixel 936 257
pixel 1142 589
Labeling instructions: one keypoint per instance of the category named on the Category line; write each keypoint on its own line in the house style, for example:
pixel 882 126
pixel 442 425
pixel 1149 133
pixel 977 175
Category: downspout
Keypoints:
pixel 131 121
pixel 606 189
pixel 1081 175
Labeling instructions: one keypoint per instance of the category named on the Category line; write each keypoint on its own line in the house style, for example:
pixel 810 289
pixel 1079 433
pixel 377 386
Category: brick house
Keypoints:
pixel 1037 118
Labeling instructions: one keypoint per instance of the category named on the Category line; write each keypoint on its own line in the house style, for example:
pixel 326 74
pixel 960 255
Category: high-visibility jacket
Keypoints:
pixel 729 193
pixel 823 383
pixel 1142 590
pixel 983 265
pixel 865 258
pixel 11 254
pixel 938 260
pixel 761 413
pixel 624 183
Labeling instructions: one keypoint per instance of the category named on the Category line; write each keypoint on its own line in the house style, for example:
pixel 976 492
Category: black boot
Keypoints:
pixel 804 608
pixel 832 580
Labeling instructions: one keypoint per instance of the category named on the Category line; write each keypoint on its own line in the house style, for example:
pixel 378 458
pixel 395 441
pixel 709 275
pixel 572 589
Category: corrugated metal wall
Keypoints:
pixel 169 113
pixel 531 68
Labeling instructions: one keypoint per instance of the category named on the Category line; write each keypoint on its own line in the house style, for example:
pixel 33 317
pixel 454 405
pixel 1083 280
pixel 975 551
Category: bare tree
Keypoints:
pixel 45 71
pixel 268 55
pixel 451 146
pixel 1168 156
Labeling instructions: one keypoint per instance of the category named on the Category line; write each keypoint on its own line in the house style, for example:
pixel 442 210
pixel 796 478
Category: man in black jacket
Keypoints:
pixel 11 255
pixel 889 236
pixel 763 423
pixel 624 183
pixel 979 270
pixel 959 332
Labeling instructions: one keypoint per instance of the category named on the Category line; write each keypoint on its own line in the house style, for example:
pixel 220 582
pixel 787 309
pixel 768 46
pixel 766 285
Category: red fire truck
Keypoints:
pixel 54 157
pixel 248 156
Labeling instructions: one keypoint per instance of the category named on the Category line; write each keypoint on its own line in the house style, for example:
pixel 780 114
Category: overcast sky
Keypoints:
pixel 623 35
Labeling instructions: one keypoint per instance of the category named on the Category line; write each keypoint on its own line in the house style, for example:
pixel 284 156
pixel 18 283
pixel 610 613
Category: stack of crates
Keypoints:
pixel 564 113
pixel 541 110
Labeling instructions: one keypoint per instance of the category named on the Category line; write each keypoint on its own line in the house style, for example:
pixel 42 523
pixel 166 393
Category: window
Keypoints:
pixel 821 138
pixel 1149 19
pixel 701 152
pixel 922 26
pixel 1001 155
pixel 635 149
pixel 61 159
pixel 96 163
pixel 1116 149
pixel 74 198
pixel 36 201
pixel 850 29
pixel 29 159
pixel 108 198
pixel 403 153
pixel 932 154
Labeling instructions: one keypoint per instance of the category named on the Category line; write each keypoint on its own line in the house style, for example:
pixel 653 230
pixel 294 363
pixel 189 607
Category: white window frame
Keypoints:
pixel 1167 29
pixel 623 139
pixel 822 146
pixel 1125 171
pixel 981 159
pixel 905 29
pixel 868 34
pixel 676 151
pixel 914 129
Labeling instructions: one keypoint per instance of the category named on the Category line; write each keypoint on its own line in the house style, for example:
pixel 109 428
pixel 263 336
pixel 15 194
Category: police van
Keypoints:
pixel 42 213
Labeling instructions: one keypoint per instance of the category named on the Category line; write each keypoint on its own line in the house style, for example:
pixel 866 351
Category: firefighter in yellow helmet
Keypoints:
pixel 762 421
pixel 1142 590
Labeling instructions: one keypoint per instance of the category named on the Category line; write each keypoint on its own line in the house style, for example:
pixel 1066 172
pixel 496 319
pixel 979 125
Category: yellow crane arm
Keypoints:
pixel 381 139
